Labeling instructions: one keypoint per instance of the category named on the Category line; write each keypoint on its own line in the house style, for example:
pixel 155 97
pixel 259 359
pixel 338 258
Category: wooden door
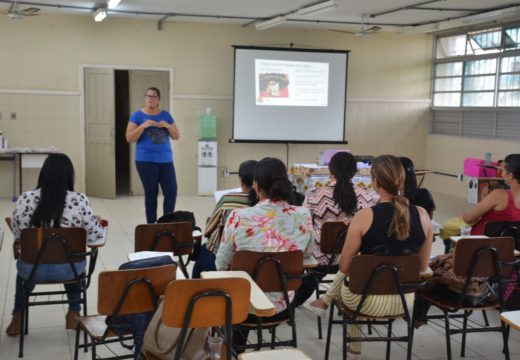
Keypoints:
pixel 99 133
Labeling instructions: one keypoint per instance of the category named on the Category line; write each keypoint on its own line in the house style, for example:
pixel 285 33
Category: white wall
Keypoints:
pixel 388 85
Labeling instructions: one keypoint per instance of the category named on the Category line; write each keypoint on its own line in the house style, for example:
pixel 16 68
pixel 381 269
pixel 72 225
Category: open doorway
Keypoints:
pixel 122 106
pixel 110 96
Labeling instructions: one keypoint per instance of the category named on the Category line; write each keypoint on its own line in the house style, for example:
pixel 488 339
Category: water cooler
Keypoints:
pixel 207 155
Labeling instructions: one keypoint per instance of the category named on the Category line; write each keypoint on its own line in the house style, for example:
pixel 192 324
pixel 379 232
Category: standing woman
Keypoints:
pixel 152 129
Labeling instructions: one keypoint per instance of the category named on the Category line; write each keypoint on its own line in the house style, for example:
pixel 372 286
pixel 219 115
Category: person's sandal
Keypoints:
pixel 15 325
pixel 353 355
pixel 315 310
pixel 71 319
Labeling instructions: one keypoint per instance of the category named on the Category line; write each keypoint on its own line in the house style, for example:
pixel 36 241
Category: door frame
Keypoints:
pixel 82 68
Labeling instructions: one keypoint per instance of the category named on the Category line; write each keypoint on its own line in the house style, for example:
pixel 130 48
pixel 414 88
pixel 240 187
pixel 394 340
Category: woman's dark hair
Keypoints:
pixel 245 171
pixel 152 88
pixel 271 176
pixel 410 181
pixel 56 178
pixel 343 166
pixel 389 173
pixel 512 165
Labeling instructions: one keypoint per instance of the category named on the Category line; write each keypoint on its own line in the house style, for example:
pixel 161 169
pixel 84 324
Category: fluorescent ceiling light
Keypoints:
pixel 100 14
pixel 113 3
pixel 270 23
pixel 317 8
pixel 491 16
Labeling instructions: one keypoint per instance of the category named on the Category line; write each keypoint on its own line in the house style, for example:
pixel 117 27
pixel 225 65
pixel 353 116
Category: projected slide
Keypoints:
pixel 291 83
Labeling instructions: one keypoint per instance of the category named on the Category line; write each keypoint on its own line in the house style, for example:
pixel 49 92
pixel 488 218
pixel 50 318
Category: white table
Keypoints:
pixel 258 300
pixel 283 354
pixel 511 318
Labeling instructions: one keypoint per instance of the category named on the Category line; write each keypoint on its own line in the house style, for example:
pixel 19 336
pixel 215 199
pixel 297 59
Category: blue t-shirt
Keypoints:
pixel 154 143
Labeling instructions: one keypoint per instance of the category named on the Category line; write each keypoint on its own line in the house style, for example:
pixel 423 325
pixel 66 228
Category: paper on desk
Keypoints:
pixel 151 254
pixel 220 193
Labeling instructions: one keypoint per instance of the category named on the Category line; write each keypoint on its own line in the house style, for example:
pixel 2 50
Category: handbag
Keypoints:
pixel 161 341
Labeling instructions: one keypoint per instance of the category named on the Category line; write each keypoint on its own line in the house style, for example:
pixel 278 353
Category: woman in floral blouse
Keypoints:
pixel 53 204
pixel 272 225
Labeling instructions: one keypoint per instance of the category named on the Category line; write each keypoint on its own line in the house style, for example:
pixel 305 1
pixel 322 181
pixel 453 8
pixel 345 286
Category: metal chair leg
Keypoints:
pixel 345 335
pixel 484 315
pixel 273 337
pixel 320 333
pixel 464 328
pixel 389 343
pixel 76 347
pixel 329 331
pixel 505 337
pixel 447 332
pixel 410 339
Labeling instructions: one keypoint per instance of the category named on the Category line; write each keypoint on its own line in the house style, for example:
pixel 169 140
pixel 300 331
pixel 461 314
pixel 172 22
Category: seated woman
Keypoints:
pixel 338 201
pixel 272 225
pixel 418 197
pixel 498 205
pixel 213 232
pixel 392 227
pixel 53 204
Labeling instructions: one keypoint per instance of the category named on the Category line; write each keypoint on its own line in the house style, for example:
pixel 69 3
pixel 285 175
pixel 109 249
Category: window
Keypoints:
pixel 477 69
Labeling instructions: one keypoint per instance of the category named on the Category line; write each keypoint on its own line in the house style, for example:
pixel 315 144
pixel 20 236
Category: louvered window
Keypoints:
pixel 476 84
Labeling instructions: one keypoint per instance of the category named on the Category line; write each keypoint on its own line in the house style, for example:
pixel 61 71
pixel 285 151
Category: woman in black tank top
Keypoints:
pixel 392 227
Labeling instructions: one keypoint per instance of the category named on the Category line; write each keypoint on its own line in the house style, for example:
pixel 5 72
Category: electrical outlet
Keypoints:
pixel 226 173
pixel 460 177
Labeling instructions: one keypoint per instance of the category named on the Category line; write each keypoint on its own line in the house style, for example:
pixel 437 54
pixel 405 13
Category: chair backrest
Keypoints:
pixel 333 234
pixel 209 307
pixel 262 267
pixel 137 284
pixel 53 243
pixel 468 248
pixel 504 228
pixel 382 270
pixel 172 237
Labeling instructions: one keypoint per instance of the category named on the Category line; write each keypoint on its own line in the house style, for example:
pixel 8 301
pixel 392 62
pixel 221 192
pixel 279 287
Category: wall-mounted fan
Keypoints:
pixel 14 11
pixel 362 32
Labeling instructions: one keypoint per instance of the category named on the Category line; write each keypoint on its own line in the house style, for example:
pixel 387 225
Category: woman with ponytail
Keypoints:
pixel 393 227
pixel 272 225
pixel 338 201
pixel 215 224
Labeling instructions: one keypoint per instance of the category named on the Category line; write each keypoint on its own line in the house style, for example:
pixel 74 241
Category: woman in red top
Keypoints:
pixel 498 205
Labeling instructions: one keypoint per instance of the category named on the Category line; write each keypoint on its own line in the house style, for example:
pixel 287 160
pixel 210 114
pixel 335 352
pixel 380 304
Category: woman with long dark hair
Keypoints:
pixel 227 203
pixel 151 129
pixel 54 203
pixel 393 227
pixel 417 196
pixel 338 201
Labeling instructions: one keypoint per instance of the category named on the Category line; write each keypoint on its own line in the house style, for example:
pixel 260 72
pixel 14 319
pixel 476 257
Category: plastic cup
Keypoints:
pixel 465 230
pixel 215 347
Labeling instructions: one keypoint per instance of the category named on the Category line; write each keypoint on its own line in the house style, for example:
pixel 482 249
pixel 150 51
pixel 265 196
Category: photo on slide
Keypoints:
pixel 273 85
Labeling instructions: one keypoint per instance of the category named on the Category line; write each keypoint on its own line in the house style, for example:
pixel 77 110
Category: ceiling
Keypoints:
pixel 391 15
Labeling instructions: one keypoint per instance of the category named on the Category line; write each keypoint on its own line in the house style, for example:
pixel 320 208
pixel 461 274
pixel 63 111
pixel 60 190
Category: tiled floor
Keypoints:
pixel 49 340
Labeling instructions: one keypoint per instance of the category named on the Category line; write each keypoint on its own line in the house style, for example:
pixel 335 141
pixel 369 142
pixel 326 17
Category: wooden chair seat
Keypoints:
pixel 474 257
pixel 272 272
pixel 372 275
pixel 122 292
pixel 439 299
pixel 95 326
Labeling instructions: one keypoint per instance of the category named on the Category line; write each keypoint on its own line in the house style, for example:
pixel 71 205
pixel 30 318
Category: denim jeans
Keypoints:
pixel 152 174
pixel 205 262
pixel 49 272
